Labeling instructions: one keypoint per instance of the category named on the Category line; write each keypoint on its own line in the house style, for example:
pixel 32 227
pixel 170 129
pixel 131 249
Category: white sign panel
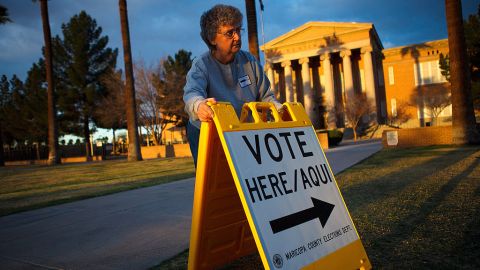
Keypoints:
pixel 291 194
pixel 392 137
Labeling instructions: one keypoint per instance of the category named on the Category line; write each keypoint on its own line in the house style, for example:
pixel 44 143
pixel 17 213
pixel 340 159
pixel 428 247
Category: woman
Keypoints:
pixel 224 73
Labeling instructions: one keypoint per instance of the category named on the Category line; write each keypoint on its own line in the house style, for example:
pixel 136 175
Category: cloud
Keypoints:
pixel 19 42
pixel 388 44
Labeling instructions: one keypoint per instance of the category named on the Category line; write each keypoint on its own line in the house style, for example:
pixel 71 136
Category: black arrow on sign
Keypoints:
pixel 320 210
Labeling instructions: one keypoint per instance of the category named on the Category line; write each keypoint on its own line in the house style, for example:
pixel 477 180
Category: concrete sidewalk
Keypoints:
pixel 350 153
pixel 129 230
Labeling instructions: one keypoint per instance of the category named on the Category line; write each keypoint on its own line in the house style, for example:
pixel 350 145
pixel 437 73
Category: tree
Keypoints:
pixel 111 113
pixel 158 93
pixel 399 116
pixel 435 99
pixel 134 153
pixel 444 64
pixel 81 59
pixel 35 106
pixel 14 119
pixel 24 111
pixel 4 15
pixel 171 102
pixel 463 118
pixel 4 100
pixel 472 39
pixel 149 88
pixel 53 155
pixel 357 109
pixel 252 28
pixel 24 108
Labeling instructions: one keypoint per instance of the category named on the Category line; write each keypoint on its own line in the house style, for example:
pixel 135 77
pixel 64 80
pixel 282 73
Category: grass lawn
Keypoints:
pixel 413 208
pixel 29 187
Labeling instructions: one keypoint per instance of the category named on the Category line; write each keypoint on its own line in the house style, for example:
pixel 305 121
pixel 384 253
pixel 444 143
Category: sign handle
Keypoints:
pixel 263 108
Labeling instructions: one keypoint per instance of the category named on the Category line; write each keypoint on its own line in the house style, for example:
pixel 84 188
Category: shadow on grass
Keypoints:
pixel 404 229
pixel 468 249
pixel 383 187
pixel 423 214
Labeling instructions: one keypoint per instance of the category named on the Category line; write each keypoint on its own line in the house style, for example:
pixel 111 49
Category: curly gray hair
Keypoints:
pixel 214 18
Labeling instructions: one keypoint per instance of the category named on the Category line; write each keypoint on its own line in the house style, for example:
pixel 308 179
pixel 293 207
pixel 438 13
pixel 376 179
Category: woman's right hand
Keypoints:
pixel 204 112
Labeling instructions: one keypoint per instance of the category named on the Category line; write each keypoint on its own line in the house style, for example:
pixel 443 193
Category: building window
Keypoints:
pixel 391 77
pixel 428 73
pixel 393 103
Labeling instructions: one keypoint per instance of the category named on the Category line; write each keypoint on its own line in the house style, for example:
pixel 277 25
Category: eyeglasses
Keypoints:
pixel 231 33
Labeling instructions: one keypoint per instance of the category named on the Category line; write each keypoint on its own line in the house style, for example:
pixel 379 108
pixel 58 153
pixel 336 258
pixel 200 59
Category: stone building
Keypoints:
pixel 323 64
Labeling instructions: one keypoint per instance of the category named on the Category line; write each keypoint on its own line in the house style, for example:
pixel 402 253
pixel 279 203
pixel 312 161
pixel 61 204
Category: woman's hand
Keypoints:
pixel 204 112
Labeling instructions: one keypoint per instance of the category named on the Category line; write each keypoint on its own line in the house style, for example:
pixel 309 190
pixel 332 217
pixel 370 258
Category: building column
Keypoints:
pixel 271 77
pixel 347 73
pixel 369 74
pixel 289 95
pixel 329 101
pixel 308 95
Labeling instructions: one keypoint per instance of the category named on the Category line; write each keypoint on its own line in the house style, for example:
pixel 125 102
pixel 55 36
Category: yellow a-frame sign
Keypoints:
pixel 266 185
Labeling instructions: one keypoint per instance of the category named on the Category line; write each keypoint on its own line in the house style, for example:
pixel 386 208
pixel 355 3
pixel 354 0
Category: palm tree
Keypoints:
pixel 53 156
pixel 3 19
pixel 4 15
pixel 463 118
pixel 134 153
pixel 252 28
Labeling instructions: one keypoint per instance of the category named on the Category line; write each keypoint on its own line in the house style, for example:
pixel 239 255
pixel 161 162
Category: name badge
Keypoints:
pixel 244 81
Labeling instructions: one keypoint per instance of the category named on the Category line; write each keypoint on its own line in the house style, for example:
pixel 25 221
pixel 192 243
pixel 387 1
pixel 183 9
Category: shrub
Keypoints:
pixel 335 136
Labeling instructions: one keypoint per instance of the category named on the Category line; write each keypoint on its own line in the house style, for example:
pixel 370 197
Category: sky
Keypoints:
pixel 159 28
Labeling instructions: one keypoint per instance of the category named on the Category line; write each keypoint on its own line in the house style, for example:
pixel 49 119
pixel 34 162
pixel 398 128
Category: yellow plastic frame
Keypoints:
pixel 213 171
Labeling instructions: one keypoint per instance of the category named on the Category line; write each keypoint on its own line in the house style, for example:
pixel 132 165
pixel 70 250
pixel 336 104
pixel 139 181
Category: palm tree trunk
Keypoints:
pixel 252 28
pixel 2 157
pixel 53 156
pixel 134 153
pixel 88 146
pixel 463 118
pixel 114 143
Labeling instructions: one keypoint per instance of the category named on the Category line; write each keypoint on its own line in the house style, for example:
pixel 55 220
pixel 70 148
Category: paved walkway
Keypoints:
pixel 129 230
